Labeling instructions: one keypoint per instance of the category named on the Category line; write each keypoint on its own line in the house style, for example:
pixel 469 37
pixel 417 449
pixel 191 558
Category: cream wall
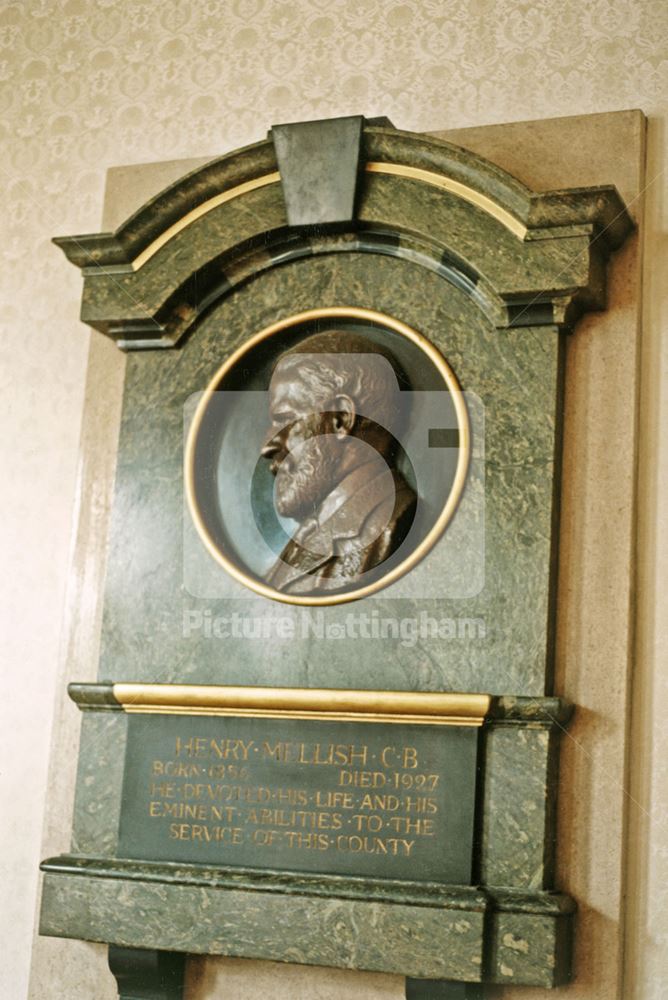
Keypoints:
pixel 87 85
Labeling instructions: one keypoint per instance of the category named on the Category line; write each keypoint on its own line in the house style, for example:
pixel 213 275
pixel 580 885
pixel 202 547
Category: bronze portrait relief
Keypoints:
pixel 307 478
pixel 333 450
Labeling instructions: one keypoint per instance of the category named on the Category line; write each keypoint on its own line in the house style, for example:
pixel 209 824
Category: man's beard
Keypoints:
pixel 304 479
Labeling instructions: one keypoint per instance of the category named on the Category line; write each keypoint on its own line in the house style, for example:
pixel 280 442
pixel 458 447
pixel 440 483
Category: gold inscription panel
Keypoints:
pixel 387 801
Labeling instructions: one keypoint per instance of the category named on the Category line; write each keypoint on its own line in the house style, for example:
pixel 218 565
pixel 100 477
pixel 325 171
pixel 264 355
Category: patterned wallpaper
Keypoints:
pixel 85 84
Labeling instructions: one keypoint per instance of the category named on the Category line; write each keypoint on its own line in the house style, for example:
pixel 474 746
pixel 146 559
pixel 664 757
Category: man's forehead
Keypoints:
pixel 286 386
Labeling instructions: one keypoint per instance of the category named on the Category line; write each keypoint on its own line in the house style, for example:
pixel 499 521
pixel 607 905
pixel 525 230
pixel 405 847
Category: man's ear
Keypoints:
pixel 344 415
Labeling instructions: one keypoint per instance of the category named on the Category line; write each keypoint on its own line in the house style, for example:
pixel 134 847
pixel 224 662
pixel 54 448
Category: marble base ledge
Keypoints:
pixel 420 930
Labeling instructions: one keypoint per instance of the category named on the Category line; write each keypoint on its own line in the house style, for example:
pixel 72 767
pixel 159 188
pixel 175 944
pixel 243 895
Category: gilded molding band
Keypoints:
pixel 203 209
pixel 454 187
pixel 548 712
pixel 389 169
pixel 401 707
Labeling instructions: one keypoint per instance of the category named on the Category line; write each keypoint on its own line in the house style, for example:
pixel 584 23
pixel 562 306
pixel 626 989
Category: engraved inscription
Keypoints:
pixel 389 800
pixel 213 801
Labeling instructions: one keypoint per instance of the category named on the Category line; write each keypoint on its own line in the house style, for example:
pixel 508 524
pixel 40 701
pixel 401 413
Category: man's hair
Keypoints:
pixel 354 366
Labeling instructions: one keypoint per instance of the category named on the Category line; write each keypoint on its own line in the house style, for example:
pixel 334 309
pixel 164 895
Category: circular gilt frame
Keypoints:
pixel 420 551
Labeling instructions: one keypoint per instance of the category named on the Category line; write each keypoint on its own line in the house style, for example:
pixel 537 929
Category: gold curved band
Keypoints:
pixel 460 190
pixel 197 213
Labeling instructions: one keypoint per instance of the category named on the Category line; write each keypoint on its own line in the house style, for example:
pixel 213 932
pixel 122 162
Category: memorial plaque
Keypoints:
pixel 365 406
pixel 371 799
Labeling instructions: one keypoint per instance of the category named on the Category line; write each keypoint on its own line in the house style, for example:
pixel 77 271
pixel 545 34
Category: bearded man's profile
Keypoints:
pixel 335 408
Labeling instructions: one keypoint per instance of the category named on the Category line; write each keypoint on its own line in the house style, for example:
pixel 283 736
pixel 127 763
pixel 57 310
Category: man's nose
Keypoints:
pixel 272 445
